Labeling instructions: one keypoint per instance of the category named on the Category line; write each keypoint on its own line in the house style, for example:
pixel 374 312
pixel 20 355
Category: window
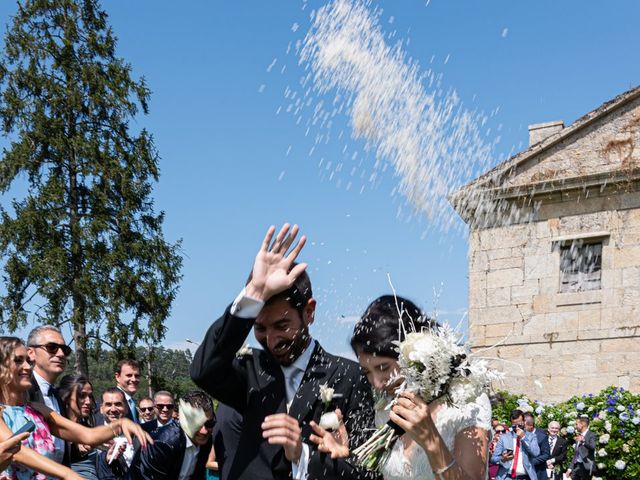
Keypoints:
pixel 580 266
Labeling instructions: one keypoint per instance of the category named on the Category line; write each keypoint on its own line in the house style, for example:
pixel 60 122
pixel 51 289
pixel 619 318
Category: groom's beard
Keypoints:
pixel 285 352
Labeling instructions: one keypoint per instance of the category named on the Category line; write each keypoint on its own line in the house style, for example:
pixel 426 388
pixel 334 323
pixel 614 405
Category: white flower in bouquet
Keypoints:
pixel 580 406
pixel 601 466
pixel 571 429
pixel 602 452
pixel 607 426
pixel 624 416
pixel 602 415
pixel 620 464
pixel 329 420
pixel 626 448
pixel 526 408
pixel 539 410
pixel 433 364
pixel 604 438
pixel 620 408
pixel 635 420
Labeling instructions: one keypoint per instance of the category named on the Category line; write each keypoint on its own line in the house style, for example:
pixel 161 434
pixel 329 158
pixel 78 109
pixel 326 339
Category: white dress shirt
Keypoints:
pixel 190 459
pixel 51 402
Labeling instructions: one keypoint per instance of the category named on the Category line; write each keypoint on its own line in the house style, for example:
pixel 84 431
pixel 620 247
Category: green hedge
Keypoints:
pixel 615 419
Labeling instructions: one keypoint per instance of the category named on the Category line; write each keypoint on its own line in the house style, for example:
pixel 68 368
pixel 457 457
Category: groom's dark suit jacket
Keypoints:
pixel 254 386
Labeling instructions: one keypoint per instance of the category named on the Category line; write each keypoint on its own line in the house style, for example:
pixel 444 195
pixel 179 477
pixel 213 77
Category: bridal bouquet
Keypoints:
pixel 433 364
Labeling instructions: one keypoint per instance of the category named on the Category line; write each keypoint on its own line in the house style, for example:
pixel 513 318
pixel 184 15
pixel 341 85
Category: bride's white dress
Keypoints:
pixel 414 464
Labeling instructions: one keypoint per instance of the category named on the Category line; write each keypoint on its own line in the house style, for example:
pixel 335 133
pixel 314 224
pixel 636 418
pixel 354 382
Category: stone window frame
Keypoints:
pixel 584 281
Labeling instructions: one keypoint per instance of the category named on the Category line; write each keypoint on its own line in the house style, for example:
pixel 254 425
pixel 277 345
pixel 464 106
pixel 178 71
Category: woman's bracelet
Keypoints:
pixel 438 473
pixel 115 434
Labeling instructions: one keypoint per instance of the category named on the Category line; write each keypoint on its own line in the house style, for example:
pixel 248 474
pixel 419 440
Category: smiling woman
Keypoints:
pixel 34 460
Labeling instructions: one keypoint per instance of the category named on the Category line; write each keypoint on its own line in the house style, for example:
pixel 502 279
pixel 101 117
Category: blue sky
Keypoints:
pixel 231 166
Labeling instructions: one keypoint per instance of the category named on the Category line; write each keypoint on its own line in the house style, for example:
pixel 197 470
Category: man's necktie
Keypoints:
pixel 134 411
pixel 516 452
pixel 291 385
pixel 52 391
pixel 552 443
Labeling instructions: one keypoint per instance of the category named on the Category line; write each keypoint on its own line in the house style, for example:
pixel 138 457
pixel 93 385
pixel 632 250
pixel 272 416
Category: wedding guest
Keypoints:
pixel 76 393
pixel 48 351
pixel 583 462
pixel 35 458
pixel 127 379
pixel 453 442
pixel 514 451
pixel 558 448
pixel 499 429
pixel 276 389
pixel 164 405
pixel 146 410
pixel 226 436
pixel 539 462
pixel 175 454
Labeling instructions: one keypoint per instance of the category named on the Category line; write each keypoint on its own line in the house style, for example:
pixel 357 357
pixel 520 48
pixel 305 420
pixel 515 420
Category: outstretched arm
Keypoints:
pixel 36 462
pixel 74 432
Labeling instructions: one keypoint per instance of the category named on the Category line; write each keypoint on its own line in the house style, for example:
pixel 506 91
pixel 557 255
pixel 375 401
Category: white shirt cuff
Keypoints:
pixel 246 307
pixel 299 470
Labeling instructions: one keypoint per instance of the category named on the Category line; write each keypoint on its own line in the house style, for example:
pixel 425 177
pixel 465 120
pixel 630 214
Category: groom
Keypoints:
pixel 277 389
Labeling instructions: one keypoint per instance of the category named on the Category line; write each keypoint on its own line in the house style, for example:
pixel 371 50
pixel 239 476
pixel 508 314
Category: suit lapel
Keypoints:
pixel 319 370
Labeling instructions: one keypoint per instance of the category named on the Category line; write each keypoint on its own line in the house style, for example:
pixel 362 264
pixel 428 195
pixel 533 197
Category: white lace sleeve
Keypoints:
pixel 477 414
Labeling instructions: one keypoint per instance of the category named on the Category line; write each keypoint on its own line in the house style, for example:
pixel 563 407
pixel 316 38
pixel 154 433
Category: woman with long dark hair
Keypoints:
pixel 33 461
pixel 440 441
pixel 76 392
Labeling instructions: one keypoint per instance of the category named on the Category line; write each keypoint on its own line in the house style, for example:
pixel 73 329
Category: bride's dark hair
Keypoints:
pixel 379 325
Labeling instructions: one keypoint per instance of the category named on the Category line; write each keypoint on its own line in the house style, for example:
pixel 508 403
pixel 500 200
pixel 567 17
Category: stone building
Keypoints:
pixel 554 255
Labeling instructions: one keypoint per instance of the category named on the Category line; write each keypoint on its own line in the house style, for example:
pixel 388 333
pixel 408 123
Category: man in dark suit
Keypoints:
pixel 539 462
pixel 164 407
pixel 226 436
pixel 277 389
pixel 558 447
pixel 584 457
pixel 175 455
pixel 48 351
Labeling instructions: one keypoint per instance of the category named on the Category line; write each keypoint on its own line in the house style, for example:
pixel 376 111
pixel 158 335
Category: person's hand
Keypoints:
pixel 520 432
pixel 84 449
pixel 335 443
pixel 116 449
pixel 9 447
pixel 411 413
pixel 282 429
pixel 131 429
pixel 506 456
pixel 272 272
pixel 579 438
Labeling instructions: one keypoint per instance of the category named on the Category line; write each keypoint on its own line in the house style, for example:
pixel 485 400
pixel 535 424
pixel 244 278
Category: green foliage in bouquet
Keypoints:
pixel 615 419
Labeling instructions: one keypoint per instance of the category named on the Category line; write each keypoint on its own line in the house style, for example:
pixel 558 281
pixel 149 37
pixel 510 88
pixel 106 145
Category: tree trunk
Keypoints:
pixel 80 340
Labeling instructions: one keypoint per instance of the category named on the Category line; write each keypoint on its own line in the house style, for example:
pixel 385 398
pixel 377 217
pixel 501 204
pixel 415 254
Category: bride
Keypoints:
pixel 441 442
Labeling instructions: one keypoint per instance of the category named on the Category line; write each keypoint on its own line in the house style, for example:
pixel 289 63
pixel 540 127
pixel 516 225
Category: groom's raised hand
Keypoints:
pixel 272 270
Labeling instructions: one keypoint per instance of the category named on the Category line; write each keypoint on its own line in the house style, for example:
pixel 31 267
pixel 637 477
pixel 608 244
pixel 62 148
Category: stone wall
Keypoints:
pixel 556 344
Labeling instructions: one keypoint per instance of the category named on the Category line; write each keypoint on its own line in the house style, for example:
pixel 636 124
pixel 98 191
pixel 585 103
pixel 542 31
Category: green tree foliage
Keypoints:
pixel 84 243
pixel 169 370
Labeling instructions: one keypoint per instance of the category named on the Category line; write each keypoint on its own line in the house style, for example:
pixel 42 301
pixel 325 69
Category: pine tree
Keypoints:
pixel 84 244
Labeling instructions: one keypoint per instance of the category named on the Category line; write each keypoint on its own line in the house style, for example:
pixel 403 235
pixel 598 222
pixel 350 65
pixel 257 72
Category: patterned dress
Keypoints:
pixel 40 440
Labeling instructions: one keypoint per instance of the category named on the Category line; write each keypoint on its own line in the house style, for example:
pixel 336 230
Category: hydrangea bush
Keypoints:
pixel 615 419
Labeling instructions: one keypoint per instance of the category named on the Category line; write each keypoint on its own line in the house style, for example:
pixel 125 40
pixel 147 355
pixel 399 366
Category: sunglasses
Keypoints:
pixel 209 424
pixel 165 406
pixel 52 348
pixel 500 431
pixel 146 409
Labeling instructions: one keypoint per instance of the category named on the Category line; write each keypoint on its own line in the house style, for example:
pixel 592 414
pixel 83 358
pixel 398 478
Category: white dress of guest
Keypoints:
pixel 413 463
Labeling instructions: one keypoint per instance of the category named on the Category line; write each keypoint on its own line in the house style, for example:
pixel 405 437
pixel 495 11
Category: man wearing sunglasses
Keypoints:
pixel 146 409
pixel 176 455
pixel 48 351
pixel 164 407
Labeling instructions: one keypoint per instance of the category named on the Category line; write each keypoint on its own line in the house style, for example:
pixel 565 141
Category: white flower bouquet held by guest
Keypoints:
pixel 445 436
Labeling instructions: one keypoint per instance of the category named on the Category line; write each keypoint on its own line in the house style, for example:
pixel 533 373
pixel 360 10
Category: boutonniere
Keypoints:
pixel 329 420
